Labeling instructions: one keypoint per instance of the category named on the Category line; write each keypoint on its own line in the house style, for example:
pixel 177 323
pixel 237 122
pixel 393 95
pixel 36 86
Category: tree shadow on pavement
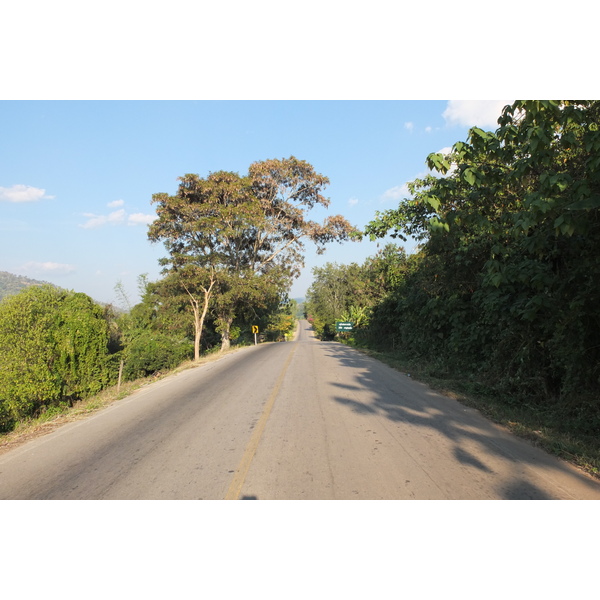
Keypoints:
pixel 373 388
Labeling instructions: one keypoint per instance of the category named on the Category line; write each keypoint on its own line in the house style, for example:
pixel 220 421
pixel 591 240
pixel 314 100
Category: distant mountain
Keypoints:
pixel 12 284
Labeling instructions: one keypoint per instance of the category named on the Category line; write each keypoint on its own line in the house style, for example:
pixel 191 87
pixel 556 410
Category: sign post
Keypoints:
pixel 255 331
pixel 344 325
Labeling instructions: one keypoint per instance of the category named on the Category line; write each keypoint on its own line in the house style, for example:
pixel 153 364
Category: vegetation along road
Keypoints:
pixel 298 420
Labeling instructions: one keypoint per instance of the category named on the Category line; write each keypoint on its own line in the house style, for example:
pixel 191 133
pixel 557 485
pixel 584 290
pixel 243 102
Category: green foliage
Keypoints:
pixel 151 352
pixel 27 379
pixel 334 289
pixel 350 292
pixel 156 333
pixel 53 348
pixel 357 315
pixel 235 242
pixel 81 341
pixel 282 323
pixel 163 307
pixel 507 283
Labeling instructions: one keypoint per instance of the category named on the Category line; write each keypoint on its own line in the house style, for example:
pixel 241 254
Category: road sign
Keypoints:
pixel 254 328
pixel 344 326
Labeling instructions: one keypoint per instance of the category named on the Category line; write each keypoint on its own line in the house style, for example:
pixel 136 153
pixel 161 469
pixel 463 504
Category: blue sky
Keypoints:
pixel 100 109
pixel 77 177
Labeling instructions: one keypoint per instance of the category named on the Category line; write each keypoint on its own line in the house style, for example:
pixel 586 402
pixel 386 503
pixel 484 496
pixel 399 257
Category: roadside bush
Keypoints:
pixel 27 377
pixel 53 348
pixel 150 352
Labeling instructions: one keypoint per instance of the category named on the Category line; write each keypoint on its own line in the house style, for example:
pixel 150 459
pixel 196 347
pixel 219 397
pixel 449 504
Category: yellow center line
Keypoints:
pixel 235 488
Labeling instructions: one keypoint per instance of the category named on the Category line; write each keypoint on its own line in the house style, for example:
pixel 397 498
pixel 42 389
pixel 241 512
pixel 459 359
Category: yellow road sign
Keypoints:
pixel 254 328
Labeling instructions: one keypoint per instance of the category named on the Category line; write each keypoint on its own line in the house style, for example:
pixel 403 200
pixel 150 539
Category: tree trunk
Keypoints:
pixel 226 333
pixel 199 316
pixel 197 335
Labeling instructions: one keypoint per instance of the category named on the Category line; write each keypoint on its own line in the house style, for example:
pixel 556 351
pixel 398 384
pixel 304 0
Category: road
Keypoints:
pixel 297 420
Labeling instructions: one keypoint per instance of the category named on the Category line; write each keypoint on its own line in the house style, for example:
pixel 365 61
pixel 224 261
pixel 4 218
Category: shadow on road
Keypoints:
pixel 403 400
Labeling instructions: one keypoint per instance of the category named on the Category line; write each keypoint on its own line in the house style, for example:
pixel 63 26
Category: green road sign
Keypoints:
pixel 344 326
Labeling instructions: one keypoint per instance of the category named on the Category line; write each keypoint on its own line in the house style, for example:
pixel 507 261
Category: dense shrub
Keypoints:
pixel 53 347
pixel 506 285
pixel 151 351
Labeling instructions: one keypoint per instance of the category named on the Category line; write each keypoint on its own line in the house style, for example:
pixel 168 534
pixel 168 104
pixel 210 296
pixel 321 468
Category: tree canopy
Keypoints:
pixel 507 279
pixel 234 240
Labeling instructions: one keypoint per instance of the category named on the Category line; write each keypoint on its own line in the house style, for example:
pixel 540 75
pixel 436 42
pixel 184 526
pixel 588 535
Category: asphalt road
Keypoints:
pixel 298 420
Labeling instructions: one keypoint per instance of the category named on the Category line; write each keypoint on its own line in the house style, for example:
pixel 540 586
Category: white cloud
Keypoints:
pixel 474 113
pixel 95 221
pixel 117 217
pixel 140 219
pixel 396 193
pixel 353 202
pixel 115 203
pixel 23 193
pixel 409 125
pixel 46 268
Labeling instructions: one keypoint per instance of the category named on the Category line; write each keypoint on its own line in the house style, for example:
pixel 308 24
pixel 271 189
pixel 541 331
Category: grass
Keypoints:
pixel 547 429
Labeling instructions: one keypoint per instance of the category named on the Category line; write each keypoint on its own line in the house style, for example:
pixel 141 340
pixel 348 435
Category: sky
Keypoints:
pixel 103 109
pixel 77 176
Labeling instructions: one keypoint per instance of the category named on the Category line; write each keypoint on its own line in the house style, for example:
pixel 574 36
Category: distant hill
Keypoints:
pixel 12 284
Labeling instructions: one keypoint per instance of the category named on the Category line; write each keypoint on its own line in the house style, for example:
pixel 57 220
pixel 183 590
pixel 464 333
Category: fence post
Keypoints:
pixel 120 373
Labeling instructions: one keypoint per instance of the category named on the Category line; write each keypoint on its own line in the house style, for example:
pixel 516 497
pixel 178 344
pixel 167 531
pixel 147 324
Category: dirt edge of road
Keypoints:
pixel 85 408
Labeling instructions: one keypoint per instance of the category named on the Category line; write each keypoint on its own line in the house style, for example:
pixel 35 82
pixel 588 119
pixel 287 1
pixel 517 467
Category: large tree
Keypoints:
pixel 234 240
pixel 507 279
